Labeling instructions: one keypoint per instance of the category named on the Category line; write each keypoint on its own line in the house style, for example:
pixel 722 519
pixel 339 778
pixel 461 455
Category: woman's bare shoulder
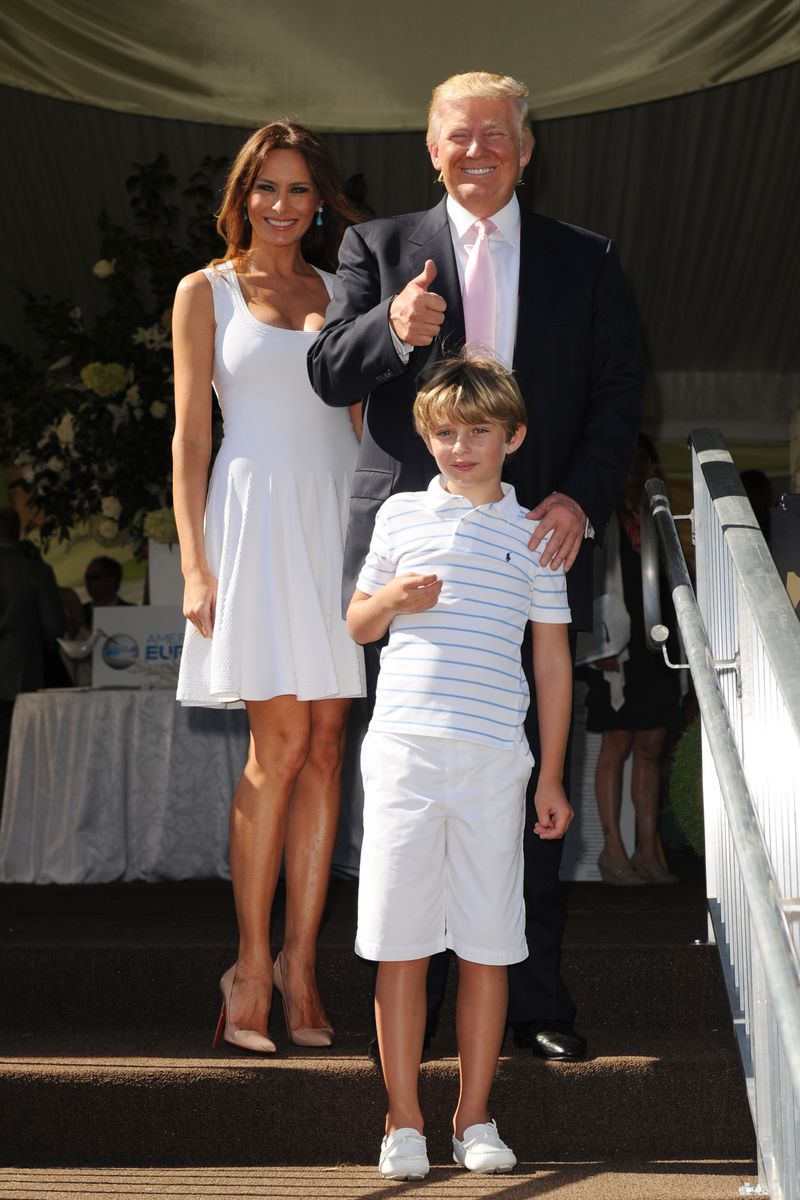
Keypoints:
pixel 194 296
pixel 195 284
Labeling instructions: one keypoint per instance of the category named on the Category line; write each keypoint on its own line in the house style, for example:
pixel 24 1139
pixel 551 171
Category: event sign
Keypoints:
pixel 139 646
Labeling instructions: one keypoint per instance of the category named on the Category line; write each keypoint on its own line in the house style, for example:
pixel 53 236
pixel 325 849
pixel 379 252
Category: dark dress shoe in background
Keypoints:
pixel 556 1040
pixel 374 1053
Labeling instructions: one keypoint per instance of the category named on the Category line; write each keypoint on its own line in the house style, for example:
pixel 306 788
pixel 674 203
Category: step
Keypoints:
pixel 706 1179
pixel 151 985
pixel 108 999
pixel 106 952
pixel 159 1099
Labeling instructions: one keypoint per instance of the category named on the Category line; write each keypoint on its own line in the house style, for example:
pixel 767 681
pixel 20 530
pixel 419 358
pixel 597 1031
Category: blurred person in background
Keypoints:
pixel 31 615
pixel 634 697
pixel 102 578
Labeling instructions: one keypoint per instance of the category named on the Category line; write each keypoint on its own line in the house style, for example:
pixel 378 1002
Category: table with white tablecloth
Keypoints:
pixel 125 784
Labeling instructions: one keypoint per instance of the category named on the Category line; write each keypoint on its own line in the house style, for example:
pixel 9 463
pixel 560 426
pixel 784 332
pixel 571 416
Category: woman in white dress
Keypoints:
pixel 261 554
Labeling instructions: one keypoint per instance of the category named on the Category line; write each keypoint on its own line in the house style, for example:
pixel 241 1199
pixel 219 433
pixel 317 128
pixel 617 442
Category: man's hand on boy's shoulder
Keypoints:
pixel 553 810
pixel 565 521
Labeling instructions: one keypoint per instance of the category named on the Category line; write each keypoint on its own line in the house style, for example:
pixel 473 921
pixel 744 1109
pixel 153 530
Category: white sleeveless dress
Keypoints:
pixel 276 516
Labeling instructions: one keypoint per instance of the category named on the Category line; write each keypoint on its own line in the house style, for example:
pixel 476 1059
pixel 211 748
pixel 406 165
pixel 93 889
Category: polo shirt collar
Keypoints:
pixel 437 497
pixel 507 220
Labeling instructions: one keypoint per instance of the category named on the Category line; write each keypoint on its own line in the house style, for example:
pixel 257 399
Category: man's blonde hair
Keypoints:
pixel 469 391
pixel 480 85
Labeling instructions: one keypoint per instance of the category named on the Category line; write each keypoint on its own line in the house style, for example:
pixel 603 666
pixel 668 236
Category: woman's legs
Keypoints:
pixel 400 1010
pixel 279 734
pixel 481 1009
pixel 614 749
pixel 310 836
pixel 648 752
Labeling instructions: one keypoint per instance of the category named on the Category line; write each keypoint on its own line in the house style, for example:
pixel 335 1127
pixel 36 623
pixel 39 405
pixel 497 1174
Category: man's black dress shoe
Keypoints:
pixel 555 1040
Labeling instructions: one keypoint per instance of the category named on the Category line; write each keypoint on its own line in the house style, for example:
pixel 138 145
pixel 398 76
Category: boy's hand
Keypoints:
pixel 412 593
pixel 369 616
pixel 553 810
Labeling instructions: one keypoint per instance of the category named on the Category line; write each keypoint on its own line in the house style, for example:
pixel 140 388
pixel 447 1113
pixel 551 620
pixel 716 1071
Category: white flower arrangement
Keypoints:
pixel 93 440
pixel 161 527
pixel 110 507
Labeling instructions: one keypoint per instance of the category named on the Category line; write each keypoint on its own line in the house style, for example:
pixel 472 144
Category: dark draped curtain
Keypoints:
pixel 700 191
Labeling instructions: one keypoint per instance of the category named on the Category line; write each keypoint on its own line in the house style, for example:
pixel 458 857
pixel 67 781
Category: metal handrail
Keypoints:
pixel 767 599
pixel 781 963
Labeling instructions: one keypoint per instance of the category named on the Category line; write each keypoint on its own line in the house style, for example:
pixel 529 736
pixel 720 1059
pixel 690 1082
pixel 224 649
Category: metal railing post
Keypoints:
pixel 745 649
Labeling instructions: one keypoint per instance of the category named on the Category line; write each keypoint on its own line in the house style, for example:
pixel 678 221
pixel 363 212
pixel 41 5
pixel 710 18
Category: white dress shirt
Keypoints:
pixel 504 251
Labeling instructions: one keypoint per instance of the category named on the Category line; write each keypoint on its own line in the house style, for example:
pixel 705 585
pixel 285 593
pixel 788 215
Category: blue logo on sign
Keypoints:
pixel 163 647
pixel 120 651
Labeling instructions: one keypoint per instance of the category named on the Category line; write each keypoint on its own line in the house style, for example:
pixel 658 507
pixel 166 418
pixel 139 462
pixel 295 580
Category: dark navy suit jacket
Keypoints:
pixel 577 360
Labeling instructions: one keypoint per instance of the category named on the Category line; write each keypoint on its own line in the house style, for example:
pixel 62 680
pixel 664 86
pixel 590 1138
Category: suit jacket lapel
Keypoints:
pixel 539 283
pixel 432 239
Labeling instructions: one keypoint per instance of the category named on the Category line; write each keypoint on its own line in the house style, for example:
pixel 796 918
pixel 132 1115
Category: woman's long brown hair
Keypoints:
pixel 320 244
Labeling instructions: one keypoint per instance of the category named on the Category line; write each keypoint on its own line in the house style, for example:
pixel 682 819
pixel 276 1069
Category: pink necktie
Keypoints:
pixel 480 292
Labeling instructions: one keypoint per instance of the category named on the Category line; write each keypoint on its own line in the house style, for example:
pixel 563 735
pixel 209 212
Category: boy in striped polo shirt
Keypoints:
pixel 445 762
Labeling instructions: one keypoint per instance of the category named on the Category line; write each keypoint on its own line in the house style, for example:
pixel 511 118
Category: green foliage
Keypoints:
pixel 686 787
pixel 89 423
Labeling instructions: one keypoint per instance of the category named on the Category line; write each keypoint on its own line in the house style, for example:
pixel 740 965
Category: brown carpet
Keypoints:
pixel 707 1180
pixel 108 1000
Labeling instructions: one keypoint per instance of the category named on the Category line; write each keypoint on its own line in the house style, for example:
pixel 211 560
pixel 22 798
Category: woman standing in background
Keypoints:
pixel 634 697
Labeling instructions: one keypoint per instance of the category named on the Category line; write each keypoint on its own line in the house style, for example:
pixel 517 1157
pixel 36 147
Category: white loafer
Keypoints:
pixel 404 1155
pixel 483 1151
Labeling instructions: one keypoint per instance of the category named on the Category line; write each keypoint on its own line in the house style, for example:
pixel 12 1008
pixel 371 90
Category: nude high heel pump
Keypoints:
pixel 652 872
pixel 245 1039
pixel 618 876
pixel 301 1037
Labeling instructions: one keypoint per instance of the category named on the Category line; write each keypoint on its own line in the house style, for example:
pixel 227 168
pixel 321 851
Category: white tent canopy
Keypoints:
pixel 358 66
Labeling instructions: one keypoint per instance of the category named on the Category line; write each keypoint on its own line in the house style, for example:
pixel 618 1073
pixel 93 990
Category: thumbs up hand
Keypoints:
pixel 426 275
pixel 415 314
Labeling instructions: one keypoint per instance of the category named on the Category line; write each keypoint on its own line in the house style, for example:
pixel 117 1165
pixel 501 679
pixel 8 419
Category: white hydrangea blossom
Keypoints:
pixel 155 337
pixel 110 507
pixel 65 430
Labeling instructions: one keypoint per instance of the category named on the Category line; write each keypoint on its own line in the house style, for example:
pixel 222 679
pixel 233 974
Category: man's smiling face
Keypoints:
pixel 481 152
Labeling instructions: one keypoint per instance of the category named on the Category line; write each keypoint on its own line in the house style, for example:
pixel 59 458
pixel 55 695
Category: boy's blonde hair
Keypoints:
pixel 469 390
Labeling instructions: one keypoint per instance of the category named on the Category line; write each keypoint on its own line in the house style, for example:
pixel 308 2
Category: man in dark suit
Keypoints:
pixel 561 316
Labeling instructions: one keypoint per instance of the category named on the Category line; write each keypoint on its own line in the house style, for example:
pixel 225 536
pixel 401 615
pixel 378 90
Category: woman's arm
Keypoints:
pixel 193 348
pixel 357 418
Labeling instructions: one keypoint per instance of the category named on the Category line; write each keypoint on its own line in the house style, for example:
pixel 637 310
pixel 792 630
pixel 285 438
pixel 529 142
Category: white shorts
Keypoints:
pixel 441 858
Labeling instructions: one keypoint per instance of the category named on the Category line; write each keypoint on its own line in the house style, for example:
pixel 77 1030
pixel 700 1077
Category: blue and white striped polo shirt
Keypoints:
pixel 455 671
